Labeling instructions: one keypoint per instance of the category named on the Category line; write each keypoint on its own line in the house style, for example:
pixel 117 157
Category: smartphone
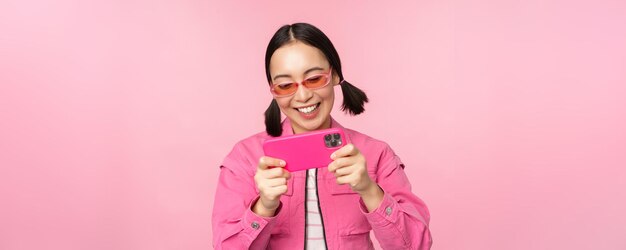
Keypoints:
pixel 306 150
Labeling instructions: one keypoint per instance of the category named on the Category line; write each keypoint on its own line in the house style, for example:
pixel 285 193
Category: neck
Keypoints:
pixel 299 130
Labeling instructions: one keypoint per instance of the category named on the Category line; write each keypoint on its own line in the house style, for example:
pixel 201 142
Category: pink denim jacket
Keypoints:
pixel 400 222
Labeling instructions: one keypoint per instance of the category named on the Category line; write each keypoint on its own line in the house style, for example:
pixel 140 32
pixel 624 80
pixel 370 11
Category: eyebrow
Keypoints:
pixel 305 72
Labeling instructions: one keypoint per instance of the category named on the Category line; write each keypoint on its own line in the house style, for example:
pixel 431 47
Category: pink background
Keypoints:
pixel 510 115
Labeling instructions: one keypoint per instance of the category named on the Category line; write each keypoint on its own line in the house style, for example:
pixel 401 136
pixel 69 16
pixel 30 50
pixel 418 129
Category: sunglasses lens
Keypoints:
pixel 288 88
pixel 317 81
pixel 285 88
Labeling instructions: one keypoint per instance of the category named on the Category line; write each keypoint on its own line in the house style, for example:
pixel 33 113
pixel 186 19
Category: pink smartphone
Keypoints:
pixel 307 150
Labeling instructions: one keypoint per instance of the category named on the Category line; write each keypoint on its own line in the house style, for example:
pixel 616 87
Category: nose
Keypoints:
pixel 303 94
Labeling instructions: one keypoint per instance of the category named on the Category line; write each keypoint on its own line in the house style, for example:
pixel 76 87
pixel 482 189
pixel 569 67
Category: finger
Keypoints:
pixel 280 190
pixel 344 179
pixel 266 162
pixel 286 175
pixel 276 192
pixel 346 170
pixel 273 173
pixel 275 182
pixel 344 151
pixel 340 163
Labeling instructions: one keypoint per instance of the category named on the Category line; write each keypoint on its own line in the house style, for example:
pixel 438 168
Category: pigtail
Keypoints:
pixel 353 99
pixel 272 120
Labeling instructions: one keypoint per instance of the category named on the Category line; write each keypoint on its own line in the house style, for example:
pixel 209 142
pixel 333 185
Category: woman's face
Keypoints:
pixel 295 62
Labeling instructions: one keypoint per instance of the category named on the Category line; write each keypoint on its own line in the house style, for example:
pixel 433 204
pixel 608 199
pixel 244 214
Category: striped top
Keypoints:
pixel 314 228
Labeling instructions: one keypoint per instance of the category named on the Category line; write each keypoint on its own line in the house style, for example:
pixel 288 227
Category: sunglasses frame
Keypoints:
pixel 299 84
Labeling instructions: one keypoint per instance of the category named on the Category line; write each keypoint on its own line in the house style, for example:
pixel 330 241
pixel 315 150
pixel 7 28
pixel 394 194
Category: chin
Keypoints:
pixel 309 125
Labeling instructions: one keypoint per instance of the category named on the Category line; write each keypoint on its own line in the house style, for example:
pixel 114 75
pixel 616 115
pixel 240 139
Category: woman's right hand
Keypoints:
pixel 271 180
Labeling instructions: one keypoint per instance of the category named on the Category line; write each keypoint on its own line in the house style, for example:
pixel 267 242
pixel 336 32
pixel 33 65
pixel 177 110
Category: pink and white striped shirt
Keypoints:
pixel 315 238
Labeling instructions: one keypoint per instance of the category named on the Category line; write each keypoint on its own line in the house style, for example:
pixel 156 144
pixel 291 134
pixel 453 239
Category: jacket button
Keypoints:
pixel 255 225
pixel 388 211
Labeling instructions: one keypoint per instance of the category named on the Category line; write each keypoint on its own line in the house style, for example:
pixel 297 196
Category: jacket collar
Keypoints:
pixel 288 130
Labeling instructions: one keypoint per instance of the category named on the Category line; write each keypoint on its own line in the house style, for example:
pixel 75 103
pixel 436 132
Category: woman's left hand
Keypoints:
pixel 350 167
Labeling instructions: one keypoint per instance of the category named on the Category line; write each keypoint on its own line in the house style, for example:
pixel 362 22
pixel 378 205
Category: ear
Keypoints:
pixel 336 80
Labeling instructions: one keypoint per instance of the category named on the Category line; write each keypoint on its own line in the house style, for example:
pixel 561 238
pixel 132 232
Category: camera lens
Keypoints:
pixel 336 136
pixel 327 137
pixel 333 143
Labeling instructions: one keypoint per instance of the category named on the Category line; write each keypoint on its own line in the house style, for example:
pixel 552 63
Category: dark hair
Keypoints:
pixel 353 98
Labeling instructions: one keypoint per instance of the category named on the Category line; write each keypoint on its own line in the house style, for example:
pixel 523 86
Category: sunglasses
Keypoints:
pixel 312 82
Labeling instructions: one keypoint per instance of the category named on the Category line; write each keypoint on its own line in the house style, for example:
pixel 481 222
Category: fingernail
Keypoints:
pixel 282 163
pixel 332 156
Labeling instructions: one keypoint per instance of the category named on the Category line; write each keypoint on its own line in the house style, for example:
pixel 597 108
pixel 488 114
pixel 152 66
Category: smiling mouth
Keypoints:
pixel 309 109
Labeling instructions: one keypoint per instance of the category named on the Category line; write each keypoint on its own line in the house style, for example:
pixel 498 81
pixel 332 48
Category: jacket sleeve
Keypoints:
pixel 235 226
pixel 401 220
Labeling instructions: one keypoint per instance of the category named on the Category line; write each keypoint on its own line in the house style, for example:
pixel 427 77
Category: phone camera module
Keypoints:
pixel 327 140
pixel 332 140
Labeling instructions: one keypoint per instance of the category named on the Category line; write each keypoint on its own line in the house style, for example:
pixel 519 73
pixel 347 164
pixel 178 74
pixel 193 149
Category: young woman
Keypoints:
pixel 260 205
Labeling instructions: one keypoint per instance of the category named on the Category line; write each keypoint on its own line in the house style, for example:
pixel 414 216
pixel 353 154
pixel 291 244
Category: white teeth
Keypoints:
pixel 308 109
